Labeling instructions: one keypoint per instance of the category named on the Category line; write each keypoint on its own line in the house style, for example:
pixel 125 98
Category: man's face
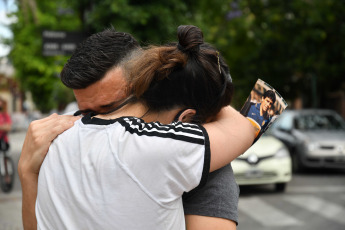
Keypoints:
pixel 103 95
pixel 266 104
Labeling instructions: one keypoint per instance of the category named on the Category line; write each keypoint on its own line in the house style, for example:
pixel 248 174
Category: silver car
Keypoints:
pixel 315 137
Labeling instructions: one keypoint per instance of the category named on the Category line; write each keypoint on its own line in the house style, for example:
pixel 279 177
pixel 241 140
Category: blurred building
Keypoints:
pixel 9 88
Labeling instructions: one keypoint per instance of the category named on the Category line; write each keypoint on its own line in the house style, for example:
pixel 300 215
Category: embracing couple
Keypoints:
pixel 151 147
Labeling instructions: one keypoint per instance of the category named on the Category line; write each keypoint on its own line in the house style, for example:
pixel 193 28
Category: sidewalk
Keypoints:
pixel 11 203
pixel 10 211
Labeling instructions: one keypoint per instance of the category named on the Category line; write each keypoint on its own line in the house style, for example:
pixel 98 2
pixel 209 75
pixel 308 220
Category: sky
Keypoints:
pixel 6 6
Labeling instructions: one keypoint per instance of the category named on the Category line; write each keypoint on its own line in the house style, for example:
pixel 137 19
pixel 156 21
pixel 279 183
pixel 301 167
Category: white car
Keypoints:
pixel 267 162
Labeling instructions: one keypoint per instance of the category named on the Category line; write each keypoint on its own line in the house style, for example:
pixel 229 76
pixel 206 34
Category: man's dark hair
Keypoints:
pixel 95 56
pixel 271 94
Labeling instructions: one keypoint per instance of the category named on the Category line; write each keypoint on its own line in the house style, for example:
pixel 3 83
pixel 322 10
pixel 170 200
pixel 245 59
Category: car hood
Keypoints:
pixel 322 135
pixel 265 146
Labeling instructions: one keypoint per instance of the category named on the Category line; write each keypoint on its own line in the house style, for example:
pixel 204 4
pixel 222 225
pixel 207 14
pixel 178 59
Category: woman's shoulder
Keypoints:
pixel 177 130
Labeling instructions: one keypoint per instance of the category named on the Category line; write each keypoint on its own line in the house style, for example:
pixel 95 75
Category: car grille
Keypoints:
pixel 327 147
pixel 259 159
pixel 264 176
pixel 335 161
pixel 338 162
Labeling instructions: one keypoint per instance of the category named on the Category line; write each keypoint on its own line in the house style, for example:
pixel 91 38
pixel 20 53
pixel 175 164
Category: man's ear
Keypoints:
pixel 187 115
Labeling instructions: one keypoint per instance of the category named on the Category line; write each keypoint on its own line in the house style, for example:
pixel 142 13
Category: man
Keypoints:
pixel 98 84
pixel 258 113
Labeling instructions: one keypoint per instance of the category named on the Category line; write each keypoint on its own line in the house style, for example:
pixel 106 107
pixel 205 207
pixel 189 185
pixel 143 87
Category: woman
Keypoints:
pixel 128 169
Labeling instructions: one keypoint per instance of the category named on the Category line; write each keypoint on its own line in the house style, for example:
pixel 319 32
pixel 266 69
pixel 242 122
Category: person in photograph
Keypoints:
pixel 258 113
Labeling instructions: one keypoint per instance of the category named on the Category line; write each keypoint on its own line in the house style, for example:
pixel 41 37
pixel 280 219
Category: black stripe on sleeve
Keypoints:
pixel 177 127
pixel 178 131
pixel 174 133
pixel 206 169
pixel 207 160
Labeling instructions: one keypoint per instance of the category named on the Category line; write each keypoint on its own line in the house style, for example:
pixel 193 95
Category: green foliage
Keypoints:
pixel 35 72
pixel 286 43
pixel 289 44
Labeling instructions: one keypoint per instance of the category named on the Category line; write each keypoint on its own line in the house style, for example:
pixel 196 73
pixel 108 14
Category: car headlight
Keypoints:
pixel 282 153
pixel 341 149
pixel 312 146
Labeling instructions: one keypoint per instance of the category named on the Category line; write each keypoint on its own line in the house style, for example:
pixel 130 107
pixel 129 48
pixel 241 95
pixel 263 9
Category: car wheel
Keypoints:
pixel 280 187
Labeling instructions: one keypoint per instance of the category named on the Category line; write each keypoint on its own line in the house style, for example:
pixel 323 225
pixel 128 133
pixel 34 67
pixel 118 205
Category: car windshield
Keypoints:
pixel 284 122
pixel 319 121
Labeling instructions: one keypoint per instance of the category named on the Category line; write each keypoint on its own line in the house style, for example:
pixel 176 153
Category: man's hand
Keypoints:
pixel 38 138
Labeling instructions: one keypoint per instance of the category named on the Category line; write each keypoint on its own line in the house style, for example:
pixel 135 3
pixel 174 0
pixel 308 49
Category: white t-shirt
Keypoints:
pixel 121 174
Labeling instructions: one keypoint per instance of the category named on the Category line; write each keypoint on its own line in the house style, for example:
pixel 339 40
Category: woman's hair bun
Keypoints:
pixel 190 38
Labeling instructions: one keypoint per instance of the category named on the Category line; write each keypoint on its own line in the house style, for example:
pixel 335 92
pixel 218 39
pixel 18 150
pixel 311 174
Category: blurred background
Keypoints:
pixel 295 46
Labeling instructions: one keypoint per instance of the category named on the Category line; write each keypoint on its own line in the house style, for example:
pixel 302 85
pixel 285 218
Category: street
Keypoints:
pixel 11 203
pixel 314 200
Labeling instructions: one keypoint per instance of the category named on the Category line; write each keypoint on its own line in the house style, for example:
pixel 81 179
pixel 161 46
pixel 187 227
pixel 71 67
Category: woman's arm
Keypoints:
pixel 36 144
pixel 195 222
pixel 231 134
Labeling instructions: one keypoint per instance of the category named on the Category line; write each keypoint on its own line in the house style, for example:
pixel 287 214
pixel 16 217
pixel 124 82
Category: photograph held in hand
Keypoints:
pixel 262 107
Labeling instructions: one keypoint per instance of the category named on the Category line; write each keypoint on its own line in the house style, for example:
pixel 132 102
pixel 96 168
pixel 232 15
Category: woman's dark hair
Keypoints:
pixel 189 74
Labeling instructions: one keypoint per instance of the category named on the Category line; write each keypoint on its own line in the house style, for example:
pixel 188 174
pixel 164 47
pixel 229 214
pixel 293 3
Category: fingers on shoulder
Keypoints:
pixel 48 128
pixel 62 123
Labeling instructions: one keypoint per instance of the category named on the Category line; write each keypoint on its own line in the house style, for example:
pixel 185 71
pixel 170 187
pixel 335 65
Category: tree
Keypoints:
pixel 149 21
pixel 293 45
pixel 35 72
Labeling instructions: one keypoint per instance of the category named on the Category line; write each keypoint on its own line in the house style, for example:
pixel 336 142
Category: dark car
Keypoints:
pixel 314 137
